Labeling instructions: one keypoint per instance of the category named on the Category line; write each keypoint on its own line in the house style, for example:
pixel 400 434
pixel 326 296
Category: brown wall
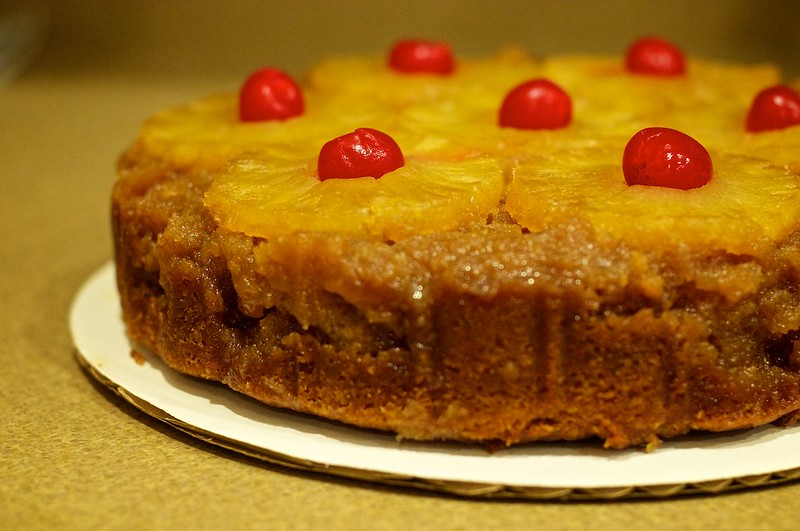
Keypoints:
pixel 222 38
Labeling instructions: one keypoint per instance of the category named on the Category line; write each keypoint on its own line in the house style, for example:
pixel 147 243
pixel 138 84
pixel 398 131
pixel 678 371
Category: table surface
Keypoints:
pixel 72 454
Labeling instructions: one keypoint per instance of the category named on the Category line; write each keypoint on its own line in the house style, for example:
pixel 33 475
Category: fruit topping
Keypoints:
pixel 363 153
pixel 773 108
pixel 655 57
pixel 418 56
pixel 658 156
pixel 536 104
pixel 269 94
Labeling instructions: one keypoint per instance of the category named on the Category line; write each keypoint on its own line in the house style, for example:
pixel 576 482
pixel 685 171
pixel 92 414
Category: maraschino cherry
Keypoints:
pixel 363 153
pixel 536 104
pixel 269 94
pixel 655 57
pixel 773 108
pixel 419 56
pixel 658 156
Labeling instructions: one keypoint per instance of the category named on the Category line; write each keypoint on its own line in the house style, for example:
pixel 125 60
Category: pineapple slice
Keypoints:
pixel 710 95
pixel 481 82
pixel 271 197
pixel 778 147
pixel 209 131
pixel 736 211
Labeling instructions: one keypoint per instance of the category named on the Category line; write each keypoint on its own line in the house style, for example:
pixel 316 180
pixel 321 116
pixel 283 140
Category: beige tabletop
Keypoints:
pixel 72 454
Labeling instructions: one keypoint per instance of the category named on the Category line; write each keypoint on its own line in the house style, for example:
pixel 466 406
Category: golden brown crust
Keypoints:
pixel 485 334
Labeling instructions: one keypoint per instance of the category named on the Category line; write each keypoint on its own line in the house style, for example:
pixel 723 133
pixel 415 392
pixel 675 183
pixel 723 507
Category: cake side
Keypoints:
pixel 478 335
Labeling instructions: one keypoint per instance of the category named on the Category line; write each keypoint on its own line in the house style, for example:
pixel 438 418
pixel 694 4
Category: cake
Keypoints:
pixel 502 279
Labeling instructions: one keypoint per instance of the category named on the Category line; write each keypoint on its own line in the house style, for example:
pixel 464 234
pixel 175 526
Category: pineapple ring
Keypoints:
pixel 209 131
pixel 269 197
pixel 734 211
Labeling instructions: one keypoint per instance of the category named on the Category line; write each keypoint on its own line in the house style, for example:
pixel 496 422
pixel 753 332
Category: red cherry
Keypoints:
pixel 362 153
pixel 416 56
pixel 658 156
pixel 536 104
pixel 269 94
pixel 655 57
pixel 775 107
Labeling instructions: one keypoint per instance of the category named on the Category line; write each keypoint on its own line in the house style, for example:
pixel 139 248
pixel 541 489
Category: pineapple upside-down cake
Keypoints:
pixel 493 250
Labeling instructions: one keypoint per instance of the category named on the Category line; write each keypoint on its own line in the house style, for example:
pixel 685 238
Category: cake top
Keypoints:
pixel 541 139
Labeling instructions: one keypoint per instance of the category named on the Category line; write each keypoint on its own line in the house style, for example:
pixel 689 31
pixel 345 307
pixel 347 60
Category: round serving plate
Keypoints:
pixel 694 464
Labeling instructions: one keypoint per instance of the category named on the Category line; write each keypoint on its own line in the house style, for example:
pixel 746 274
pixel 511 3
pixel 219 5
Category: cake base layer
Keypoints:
pixel 487 334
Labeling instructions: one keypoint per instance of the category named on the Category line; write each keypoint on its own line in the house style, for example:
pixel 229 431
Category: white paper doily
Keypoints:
pixel 702 463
